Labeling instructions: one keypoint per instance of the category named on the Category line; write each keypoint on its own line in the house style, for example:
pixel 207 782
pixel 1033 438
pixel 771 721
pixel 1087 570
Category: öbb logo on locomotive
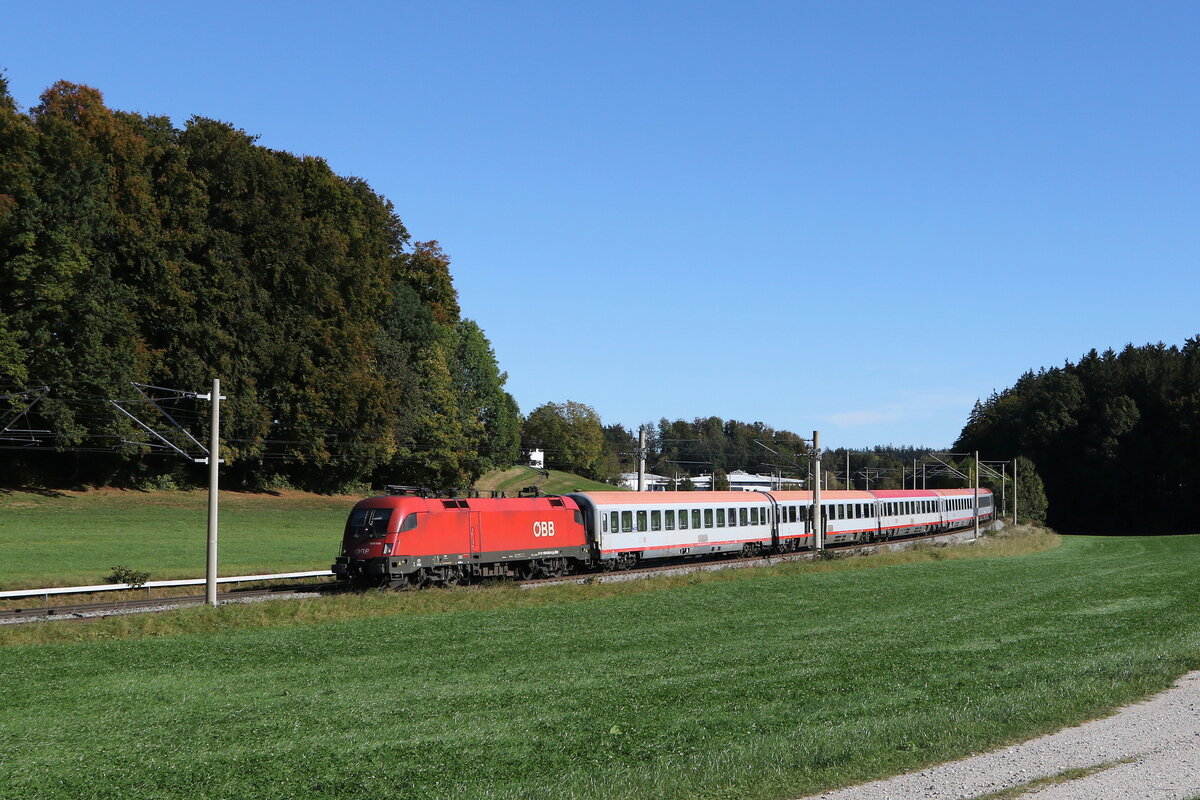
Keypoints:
pixel 411 540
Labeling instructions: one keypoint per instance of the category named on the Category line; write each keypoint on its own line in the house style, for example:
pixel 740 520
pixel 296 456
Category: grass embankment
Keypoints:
pixel 513 479
pixel 60 538
pixel 756 684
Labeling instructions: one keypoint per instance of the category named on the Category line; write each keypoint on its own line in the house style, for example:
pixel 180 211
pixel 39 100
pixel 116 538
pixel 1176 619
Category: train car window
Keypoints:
pixel 792 514
pixel 744 516
pixel 656 520
pixel 614 527
pixel 604 523
pixel 720 518
pixel 669 519
pixel 641 522
pixel 755 516
pixel 707 517
pixel 626 521
pixel 696 518
pixel 732 517
pixel 683 515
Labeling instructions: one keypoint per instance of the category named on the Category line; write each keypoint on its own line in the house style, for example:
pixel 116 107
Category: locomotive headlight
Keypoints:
pixel 387 549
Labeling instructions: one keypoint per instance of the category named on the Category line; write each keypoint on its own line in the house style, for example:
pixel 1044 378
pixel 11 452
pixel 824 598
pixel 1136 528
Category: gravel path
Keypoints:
pixel 1149 750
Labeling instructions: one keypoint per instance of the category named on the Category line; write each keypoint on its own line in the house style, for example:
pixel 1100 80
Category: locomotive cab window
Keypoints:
pixel 370 521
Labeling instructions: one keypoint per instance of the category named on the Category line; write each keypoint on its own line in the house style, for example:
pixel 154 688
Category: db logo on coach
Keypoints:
pixel 543 529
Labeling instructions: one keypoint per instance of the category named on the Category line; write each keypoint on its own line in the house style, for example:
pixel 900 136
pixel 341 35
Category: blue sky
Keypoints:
pixel 857 217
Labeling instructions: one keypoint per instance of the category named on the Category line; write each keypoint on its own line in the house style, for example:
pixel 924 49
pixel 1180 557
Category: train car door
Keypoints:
pixel 774 509
pixel 475 533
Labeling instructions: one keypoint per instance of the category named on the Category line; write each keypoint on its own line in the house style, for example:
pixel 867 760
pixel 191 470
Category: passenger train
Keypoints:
pixel 407 539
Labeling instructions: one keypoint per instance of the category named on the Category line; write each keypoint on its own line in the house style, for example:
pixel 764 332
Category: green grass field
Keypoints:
pixel 747 684
pixel 75 538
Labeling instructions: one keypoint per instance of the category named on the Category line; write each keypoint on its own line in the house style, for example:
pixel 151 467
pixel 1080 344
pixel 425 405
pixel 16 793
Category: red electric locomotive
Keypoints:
pixel 405 539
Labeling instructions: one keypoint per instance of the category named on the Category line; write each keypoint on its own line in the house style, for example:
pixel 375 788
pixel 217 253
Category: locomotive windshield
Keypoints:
pixel 369 522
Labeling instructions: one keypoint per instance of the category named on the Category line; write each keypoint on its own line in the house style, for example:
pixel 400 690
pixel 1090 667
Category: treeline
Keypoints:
pixel 135 251
pixel 710 445
pixel 1116 437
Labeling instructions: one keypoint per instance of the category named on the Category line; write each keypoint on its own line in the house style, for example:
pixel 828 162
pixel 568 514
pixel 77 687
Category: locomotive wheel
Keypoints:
pixel 453 576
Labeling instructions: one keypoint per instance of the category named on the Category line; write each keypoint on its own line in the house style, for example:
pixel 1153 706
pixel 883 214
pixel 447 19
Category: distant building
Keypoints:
pixel 537 459
pixel 739 481
pixel 654 483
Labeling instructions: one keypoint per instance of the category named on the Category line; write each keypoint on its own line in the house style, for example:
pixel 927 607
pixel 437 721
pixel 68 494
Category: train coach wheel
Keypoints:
pixel 627 560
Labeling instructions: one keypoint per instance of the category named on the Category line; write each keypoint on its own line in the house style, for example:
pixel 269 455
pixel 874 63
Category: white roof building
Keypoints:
pixel 739 481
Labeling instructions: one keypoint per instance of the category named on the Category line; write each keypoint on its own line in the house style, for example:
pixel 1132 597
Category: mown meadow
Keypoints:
pixel 60 538
pixel 748 684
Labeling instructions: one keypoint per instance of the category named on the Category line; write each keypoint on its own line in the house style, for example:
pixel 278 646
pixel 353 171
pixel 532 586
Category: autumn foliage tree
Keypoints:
pixel 571 435
pixel 135 251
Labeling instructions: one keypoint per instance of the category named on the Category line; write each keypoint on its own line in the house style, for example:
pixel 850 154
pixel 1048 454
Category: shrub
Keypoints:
pixel 129 576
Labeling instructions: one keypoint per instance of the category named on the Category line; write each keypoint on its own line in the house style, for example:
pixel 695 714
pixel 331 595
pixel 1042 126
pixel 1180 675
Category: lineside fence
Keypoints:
pixel 117 587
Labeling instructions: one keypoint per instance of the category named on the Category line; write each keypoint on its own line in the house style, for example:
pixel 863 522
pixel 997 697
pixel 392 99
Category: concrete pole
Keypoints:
pixel 214 460
pixel 818 527
pixel 1014 492
pixel 1004 490
pixel 848 484
pixel 923 484
pixel 976 470
pixel 642 459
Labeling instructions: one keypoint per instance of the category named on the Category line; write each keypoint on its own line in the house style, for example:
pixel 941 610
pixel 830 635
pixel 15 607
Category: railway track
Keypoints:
pixel 86 611
pixel 686 566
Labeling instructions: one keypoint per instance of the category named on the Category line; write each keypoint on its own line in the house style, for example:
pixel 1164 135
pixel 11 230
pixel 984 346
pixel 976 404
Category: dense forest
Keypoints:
pixel 1116 437
pixel 135 252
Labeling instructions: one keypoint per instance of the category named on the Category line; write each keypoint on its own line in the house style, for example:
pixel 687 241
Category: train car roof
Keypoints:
pixel 670 498
pixel 826 494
